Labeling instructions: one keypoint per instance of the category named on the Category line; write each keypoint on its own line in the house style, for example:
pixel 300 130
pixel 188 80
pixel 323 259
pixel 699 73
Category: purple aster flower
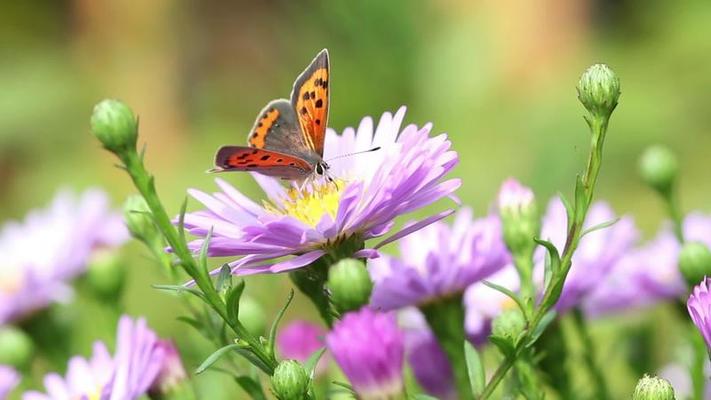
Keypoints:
pixel 439 261
pixel 597 252
pixel 67 233
pixel 371 190
pixel 369 348
pixel 127 375
pixel 9 379
pixel 171 373
pixel 699 306
pixel 299 339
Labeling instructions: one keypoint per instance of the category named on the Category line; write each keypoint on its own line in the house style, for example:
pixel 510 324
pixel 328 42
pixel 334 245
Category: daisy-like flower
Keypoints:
pixel 699 305
pixel 439 261
pixel 9 378
pixel 69 231
pixel 299 339
pixel 139 359
pixel 370 349
pixel 371 190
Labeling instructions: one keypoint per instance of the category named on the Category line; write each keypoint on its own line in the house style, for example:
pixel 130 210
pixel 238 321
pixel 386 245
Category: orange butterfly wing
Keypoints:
pixel 266 162
pixel 310 100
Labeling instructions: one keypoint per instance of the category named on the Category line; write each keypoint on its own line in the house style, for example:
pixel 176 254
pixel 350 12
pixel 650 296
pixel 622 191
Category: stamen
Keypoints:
pixel 310 202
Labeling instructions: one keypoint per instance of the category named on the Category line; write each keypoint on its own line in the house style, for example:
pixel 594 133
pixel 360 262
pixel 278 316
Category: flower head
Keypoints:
pixel 139 359
pixel 9 379
pixel 439 261
pixel 299 339
pixel 67 232
pixel 114 124
pixel 599 90
pixel 369 348
pixel 699 305
pixel 371 190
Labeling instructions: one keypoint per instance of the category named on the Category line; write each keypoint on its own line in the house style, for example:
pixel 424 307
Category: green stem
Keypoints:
pixel 602 391
pixel 674 210
pixel 524 266
pixel 145 184
pixel 700 356
pixel 446 319
pixel 310 280
pixel 598 127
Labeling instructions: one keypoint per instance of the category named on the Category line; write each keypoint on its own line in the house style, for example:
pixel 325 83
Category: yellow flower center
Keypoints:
pixel 310 203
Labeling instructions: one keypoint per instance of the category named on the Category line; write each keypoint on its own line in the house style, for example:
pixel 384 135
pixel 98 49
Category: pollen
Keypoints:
pixel 311 203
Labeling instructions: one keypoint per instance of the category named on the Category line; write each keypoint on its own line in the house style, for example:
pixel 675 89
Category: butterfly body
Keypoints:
pixel 288 135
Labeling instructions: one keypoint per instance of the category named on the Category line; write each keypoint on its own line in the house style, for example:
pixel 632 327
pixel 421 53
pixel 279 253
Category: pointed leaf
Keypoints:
pixel 545 321
pixel 552 252
pixel 508 293
pixel 181 219
pixel 597 227
pixel 224 279
pixel 214 357
pixel 275 324
pixel 202 259
pixel 252 386
pixel 475 368
pixel 180 289
pixel 569 210
pixel 232 301
pixel 504 344
pixel 580 200
pixel 312 361
pixel 246 353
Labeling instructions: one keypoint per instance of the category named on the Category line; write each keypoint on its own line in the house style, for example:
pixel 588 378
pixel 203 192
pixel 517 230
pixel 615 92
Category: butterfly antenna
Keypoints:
pixel 354 153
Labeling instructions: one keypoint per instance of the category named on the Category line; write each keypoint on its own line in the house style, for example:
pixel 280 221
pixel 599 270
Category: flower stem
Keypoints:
pixel 602 391
pixel 446 319
pixel 310 280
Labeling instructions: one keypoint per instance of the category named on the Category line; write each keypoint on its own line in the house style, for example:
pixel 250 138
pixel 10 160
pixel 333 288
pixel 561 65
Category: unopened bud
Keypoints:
pixel 653 388
pixel 695 262
pixel 519 217
pixel 350 285
pixel 509 323
pixel 599 90
pixel 658 167
pixel 16 348
pixel 251 315
pixel 290 381
pixel 106 275
pixel 138 218
pixel 115 125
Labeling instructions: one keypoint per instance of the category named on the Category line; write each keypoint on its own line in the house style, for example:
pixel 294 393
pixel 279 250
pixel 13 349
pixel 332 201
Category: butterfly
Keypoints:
pixel 288 135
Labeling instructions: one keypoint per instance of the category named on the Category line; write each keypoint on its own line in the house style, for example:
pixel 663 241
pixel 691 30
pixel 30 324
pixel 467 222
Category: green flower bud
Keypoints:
pixel 509 323
pixel 349 284
pixel 290 381
pixel 106 275
pixel 653 388
pixel 114 124
pixel 658 167
pixel 16 348
pixel 519 216
pixel 138 220
pixel 695 262
pixel 251 315
pixel 599 90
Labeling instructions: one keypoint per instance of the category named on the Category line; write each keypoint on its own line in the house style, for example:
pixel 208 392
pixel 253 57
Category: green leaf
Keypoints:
pixel 569 210
pixel 312 361
pixel 552 252
pixel 508 293
pixel 504 344
pixel 181 219
pixel 214 357
pixel 180 289
pixel 252 386
pixel 344 385
pixel 475 368
pixel 600 226
pixel 232 301
pixel 422 396
pixel 192 322
pixel 538 331
pixel 275 324
pixel 580 200
pixel 256 361
pixel 224 279
pixel 202 259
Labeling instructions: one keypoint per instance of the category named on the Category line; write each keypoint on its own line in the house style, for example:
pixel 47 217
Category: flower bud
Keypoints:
pixel 16 348
pixel 695 262
pixel 138 220
pixel 653 388
pixel 251 315
pixel 114 124
pixel 350 285
pixel 509 323
pixel 290 381
pixel 658 167
pixel 599 90
pixel 106 275
pixel 519 216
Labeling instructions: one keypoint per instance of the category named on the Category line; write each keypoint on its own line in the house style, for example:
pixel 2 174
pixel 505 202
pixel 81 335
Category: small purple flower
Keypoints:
pixel 513 196
pixel 369 348
pixel 699 306
pixel 128 375
pixel 439 261
pixel 51 247
pixel 299 339
pixel 9 379
pixel 597 252
pixel 172 372
pixel 371 190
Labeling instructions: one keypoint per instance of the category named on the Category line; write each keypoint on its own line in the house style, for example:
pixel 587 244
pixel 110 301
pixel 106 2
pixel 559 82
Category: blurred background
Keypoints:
pixel 498 76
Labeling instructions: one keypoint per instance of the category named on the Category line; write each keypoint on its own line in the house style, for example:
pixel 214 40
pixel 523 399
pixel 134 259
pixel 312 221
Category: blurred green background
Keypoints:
pixel 498 76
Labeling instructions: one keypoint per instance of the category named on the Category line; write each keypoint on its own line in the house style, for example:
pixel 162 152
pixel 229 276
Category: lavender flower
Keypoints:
pixel 371 190
pixel 172 372
pixel 9 378
pixel 699 306
pixel 139 359
pixel 439 261
pixel 299 339
pixel 369 348
pixel 68 232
